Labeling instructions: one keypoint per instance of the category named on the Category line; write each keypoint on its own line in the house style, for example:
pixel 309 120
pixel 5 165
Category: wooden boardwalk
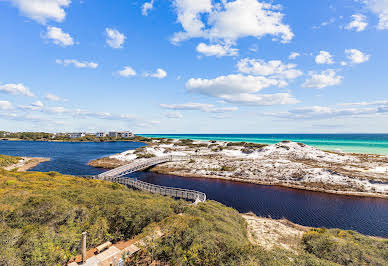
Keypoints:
pixel 196 196
pixel 115 175
pixel 139 165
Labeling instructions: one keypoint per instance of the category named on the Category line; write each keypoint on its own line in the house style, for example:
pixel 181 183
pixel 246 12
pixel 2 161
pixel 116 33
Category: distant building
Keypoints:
pixel 126 134
pixel 113 134
pixel 101 134
pixel 76 135
pixel 122 134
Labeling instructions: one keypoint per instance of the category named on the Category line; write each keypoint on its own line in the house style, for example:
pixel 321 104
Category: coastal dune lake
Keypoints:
pixel 365 215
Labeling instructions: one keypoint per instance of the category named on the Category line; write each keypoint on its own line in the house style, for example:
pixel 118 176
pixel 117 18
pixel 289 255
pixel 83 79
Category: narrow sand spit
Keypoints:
pixel 26 163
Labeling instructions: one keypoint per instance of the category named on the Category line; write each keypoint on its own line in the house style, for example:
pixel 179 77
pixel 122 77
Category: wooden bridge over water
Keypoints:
pixel 115 175
pixel 139 165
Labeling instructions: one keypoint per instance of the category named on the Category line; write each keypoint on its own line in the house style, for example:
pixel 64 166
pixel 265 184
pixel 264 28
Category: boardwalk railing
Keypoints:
pixel 114 175
pixel 196 196
pixel 139 165
pixel 187 194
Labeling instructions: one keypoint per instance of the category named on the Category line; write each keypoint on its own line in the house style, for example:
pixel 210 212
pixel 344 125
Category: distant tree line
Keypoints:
pixel 42 136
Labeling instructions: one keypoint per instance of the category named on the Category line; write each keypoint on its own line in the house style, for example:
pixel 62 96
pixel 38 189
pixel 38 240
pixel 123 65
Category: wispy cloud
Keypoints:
pixel 208 108
pixel 76 63
pixel 324 112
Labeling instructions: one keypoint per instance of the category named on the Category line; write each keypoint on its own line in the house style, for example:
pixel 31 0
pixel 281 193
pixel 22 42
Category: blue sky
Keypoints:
pixel 194 66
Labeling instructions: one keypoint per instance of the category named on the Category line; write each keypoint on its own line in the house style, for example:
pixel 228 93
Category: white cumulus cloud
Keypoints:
pixel 273 68
pixel 160 74
pixel 229 20
pixel 147 7
pixel 230 84
pixel 76 63
pixel 42 10
pixel 58 36
pixel 358 23
pixel 127 72
pixel 241 89
pixel 324 79
pixel 115 39
pixel 380 8
pixel 217 50
pixel 356 56
pixel 16 89
pixel 324 57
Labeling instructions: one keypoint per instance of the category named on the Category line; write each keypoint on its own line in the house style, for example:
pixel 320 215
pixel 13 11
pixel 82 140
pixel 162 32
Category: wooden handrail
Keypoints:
pixel 162 190
pixel 114 175
pixel 139 165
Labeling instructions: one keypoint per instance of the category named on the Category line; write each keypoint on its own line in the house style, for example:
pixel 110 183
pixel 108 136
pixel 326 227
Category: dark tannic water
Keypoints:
pixel 365 215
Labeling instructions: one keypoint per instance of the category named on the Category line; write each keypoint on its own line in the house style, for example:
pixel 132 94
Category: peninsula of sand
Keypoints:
pixel 287 163
pixel 26 163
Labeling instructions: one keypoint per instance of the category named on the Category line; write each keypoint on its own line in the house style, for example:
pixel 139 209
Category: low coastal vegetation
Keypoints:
pixel 345 247
pixel 6 160
pixel 42 216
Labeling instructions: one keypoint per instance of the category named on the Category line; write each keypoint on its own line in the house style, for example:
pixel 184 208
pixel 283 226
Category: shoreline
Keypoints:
pixel 352 175
pixel 258 182
pixel 105 163
pixel 149 140
pixel 26 164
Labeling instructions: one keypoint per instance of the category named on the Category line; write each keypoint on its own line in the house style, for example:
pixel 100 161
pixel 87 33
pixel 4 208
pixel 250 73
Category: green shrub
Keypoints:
pixel 42 215
pixel 6 160
pixel 228 168
pixel 346 247
pixel 231 144
pixel 145 155
pixel 213 234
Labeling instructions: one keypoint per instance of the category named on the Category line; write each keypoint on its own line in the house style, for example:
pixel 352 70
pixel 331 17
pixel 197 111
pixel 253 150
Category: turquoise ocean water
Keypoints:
pixel 358 143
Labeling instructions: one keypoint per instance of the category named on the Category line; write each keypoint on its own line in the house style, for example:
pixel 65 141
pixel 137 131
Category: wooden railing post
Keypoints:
pixel 83 247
